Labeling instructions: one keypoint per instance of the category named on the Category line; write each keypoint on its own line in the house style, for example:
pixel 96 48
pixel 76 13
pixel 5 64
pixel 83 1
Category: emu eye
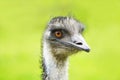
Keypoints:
pixel 58 34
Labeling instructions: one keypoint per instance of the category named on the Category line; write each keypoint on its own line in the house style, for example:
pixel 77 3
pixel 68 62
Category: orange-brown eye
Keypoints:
pixel 58 34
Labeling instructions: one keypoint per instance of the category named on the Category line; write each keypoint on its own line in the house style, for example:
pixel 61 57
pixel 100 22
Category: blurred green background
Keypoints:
pixel 23 21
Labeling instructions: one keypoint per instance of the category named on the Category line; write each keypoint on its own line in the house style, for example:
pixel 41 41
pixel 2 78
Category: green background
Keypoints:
pixel 23 21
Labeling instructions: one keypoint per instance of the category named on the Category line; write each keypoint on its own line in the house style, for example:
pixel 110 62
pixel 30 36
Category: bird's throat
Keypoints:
pixel 55 68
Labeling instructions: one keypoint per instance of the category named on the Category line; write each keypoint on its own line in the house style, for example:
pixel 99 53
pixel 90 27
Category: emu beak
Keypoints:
pixel 79 43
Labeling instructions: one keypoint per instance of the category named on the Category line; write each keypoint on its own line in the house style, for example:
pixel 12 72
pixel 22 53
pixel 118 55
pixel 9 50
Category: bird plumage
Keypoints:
pixel 61 39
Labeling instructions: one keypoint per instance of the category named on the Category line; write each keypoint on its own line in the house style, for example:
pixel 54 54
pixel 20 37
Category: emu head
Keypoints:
pixel 64 35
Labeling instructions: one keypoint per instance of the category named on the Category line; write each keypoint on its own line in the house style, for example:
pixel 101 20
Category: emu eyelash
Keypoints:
pixel 62 30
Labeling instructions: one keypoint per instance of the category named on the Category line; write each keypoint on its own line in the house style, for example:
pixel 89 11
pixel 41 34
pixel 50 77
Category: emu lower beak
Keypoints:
pixel 79 43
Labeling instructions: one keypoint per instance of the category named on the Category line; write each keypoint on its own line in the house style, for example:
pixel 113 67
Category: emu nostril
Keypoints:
pixel 79 43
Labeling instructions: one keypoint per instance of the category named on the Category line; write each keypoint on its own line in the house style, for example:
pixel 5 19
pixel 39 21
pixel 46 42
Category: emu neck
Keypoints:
pixel 55 68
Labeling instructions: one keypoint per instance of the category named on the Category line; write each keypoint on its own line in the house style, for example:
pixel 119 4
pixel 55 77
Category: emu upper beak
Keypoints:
pixel 78 42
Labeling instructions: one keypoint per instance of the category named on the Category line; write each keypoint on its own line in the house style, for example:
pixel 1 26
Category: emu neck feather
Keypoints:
pixel 56 69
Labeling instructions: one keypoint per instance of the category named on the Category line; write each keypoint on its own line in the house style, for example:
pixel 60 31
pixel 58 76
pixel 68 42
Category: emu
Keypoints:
pixel 62 38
